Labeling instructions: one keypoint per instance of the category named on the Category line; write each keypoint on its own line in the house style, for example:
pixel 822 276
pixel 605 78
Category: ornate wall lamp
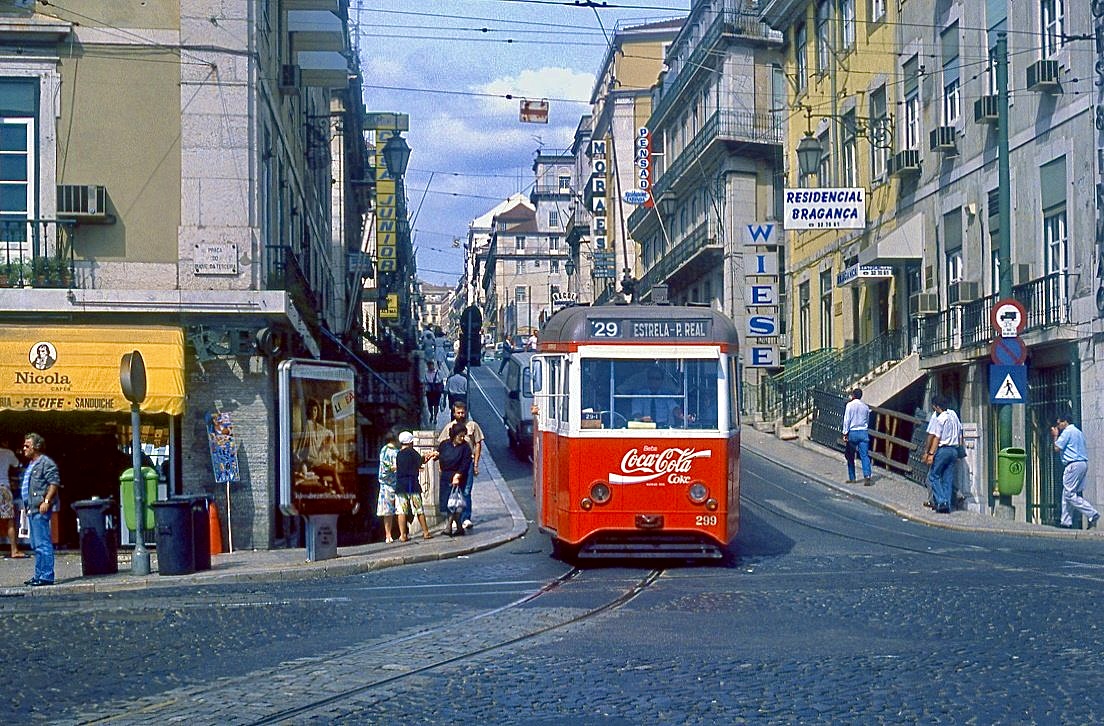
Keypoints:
pixel 809 150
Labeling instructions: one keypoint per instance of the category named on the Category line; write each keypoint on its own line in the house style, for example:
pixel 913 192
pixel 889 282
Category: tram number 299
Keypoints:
pixel 706 520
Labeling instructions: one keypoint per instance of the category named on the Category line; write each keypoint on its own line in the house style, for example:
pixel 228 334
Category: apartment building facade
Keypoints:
pixel 201 212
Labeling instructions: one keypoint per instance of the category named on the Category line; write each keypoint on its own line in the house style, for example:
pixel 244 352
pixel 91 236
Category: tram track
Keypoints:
pixel 499 634
pixel 930 546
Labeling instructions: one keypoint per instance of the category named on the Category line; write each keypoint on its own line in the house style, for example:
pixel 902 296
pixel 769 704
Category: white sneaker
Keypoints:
pixel 467 524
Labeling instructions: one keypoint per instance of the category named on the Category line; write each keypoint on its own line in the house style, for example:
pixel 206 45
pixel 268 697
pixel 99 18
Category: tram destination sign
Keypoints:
pixel 629 329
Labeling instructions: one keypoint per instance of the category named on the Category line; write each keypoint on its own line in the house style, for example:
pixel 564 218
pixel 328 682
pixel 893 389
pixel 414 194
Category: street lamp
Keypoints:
pixel 808 154
pixel 396 155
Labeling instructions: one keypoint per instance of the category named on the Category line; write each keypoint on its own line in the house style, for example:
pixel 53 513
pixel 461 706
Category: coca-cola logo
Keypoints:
pixel 650 464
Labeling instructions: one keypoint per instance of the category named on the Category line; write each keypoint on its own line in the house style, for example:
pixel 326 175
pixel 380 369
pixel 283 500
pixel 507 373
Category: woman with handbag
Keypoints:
pixel 454 456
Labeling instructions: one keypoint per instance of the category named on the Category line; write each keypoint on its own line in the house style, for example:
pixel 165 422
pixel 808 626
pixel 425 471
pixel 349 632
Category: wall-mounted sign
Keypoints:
pixel 216 258
pixel 761 234
pixel 762 326
pixel 644 164
pixel 762 356
pixel 635 196
pixel 599 203
pixel 762 263
pixel 825 208
pixel 861 273
pixel 756 295
pixel 390 308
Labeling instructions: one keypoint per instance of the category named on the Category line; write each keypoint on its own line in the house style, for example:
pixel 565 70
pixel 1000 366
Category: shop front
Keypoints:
pixel 62 382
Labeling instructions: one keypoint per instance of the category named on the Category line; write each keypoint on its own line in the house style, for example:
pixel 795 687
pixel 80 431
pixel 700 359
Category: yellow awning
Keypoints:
pixel 76 368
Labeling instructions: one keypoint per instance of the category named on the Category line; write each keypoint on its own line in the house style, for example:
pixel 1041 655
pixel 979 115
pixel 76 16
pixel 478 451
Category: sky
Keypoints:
pixel 433 60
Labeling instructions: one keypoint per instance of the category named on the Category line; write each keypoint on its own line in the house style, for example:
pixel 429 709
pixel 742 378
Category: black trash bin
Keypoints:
pixel 201 529
pixel 173 528
pixel 99 551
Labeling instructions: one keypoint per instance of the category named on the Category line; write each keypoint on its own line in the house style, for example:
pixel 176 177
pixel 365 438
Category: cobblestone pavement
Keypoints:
pixel 830 612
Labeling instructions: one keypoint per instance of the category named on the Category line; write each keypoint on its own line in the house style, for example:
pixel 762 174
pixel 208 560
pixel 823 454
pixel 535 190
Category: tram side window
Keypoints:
pixel 557 390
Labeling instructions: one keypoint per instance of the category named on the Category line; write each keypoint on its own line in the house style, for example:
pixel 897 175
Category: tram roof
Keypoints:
pixel 640 324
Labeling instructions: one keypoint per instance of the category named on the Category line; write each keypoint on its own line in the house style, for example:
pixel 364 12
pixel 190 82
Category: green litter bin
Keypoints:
pixel 126 496
pixel 1010 471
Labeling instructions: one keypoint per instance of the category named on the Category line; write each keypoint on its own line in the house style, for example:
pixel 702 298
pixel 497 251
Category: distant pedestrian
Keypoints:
pixel 531 344
pixel 433 383
pixel 408 487
pixel 8 463
pixel 941 452
pixel 1070 443
pixel 507 351
pixel 856 436
pixel 40 487
pixel 388 478
pixel 456 386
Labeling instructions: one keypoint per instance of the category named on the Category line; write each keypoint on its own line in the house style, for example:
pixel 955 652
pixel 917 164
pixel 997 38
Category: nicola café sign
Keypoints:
pixel 825 208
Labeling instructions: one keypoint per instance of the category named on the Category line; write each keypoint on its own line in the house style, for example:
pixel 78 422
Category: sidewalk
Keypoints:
pixel 890 491
pixel 498 519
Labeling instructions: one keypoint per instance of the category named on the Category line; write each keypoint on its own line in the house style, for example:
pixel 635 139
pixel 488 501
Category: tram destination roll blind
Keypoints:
pixel 635 329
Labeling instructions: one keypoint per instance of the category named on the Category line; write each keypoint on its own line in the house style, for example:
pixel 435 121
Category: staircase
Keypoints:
pixel 881 367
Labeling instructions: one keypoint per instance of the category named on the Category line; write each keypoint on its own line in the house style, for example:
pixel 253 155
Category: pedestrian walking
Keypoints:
pixel 433 383
pixel 456 386
pixel 474 439
pixel 40 486
pixel 387 477
pixel 856 436
pixel 8 463
pixel 941 452
pixel 408 487
pixel 1070 443
pixel 507 351
pixel 454 456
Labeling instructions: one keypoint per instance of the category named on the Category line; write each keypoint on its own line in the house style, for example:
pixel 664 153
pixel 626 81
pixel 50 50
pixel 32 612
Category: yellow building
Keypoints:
pixel 846 286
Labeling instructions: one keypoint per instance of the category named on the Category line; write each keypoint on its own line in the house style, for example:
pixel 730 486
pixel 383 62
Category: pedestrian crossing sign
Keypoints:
pixel 1007 384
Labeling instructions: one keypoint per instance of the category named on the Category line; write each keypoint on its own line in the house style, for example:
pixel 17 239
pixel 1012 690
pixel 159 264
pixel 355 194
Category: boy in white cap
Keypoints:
pixel 408 486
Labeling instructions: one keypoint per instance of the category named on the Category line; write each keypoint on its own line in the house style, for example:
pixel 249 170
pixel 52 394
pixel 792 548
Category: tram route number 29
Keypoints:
pixel 605 329
pixel 706 520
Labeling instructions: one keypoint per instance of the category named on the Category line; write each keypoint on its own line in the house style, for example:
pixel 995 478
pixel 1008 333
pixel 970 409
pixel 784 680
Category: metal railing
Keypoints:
pixel 1046 301
pixel 789 395
pixel 37 253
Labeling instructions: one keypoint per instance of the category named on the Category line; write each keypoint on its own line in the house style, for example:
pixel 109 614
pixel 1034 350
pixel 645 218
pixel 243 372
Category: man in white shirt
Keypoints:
pixel 941 452
pixel 856 436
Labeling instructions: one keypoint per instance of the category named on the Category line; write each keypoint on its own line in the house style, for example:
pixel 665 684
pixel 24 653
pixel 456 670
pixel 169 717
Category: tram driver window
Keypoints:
pixel 650 393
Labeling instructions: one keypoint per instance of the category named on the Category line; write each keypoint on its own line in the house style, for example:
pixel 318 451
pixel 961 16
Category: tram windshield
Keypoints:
pixel 647 394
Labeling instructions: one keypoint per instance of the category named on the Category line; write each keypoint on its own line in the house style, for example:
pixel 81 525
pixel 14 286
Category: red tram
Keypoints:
pixel 637 431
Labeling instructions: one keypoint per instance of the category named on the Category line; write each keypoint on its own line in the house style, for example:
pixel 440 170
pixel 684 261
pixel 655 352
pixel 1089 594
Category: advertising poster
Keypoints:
pixel 318 438
pixel 224 453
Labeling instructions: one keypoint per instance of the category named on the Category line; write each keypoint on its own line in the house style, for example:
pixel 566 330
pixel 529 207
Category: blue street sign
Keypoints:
pixel 1007 384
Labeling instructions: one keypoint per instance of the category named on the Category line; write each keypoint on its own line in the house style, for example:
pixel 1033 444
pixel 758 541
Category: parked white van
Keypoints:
pixel 518 416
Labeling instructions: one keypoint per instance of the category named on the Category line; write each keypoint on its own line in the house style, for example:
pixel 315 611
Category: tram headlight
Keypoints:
pixel 600 492
pixel 698 492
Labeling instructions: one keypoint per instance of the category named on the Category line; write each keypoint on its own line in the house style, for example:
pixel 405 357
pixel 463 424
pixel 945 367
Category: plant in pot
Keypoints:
pixel 40 269
pixel 5 274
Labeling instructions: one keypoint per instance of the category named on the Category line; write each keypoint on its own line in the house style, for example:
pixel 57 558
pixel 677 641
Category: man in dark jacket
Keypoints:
pixel 41 483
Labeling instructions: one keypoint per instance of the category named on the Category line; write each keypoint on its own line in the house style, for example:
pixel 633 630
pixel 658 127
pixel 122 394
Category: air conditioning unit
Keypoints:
pixel 1042 75
pixel 83 202
pixel 290 78
pixel 923 303
pixel 962 292
pixel 944 139
pixel 905 162
pixel 985 110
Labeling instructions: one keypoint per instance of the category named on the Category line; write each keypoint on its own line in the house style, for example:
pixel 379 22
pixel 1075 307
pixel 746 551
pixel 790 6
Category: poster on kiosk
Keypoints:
pixel 317 438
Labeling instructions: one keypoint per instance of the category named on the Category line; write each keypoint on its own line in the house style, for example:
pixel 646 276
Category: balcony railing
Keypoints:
pixel 1045 300
pixel 36 253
